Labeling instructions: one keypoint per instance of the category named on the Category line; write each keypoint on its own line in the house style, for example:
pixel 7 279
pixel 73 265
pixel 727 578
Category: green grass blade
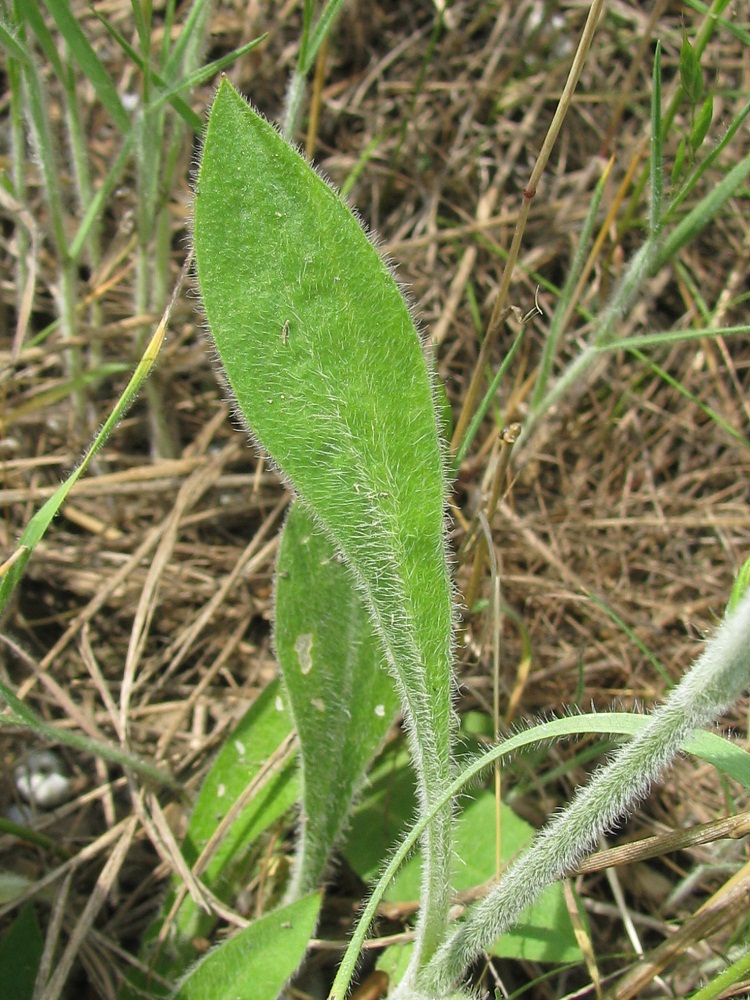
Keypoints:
pixel 342 698
pixel 103 191
pixel 703 213
pixel 673 336
pixel 47 153
pixel 703 407
pixel 183 110
pixel 322 28
pixel 714 11
pixel 22 715
pixel 633 637
pixel 657 152
pixel 49 47
pixel 142 24
pixel 200 75
pixel 476 420
pixel 193 25
pixel 308 11
pixel 89 62
pixel 13 48
pixel 312 37
pixel 39 523
pixel 169 93
pixel 565 303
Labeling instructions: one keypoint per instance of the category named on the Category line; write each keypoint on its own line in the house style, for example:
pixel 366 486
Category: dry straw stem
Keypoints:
pixel 529 192
pixel 99 896
pixel 734 827
pixel 718 911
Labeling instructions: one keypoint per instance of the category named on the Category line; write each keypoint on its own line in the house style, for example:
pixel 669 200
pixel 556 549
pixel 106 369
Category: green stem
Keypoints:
pixel 50 163
pixel 432 766
pixel 732 975
pixel 19 173
pixel 293 105
pixel 714 682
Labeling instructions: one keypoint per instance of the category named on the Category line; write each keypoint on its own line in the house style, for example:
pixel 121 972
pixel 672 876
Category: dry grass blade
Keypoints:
pixel 529 193
pixel 722 908
pixel 678 840
pixel 96 901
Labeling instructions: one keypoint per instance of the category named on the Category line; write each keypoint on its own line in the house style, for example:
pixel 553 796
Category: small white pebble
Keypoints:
pixel 41 780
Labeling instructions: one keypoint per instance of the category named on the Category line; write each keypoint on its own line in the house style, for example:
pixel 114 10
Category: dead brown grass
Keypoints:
pixel 158 575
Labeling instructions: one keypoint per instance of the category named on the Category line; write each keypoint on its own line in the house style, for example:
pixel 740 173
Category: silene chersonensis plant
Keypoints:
pixel 320 354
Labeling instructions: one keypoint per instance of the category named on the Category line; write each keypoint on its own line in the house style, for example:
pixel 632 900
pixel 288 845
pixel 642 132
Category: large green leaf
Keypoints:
pixel 327 368
pixel 258 960
pixel 253 743
pixel 341 696
pixel 20 954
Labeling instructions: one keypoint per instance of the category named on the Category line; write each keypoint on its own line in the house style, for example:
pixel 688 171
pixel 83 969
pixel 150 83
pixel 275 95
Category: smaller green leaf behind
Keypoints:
pixel 258 735
pixel 257 961
pixel 256 738
pixel 544 935
pixel 341 696
pixel 20 954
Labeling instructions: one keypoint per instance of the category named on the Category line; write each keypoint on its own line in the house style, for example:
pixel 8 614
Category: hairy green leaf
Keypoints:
pixel 691 75
pixel 341 696
pixel 327 368
pixel 258 960
pixel 323 358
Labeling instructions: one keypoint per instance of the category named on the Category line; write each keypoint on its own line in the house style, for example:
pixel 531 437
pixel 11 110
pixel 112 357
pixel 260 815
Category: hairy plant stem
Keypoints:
pixel 431 760
pixel 714 682
pixel 293 105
